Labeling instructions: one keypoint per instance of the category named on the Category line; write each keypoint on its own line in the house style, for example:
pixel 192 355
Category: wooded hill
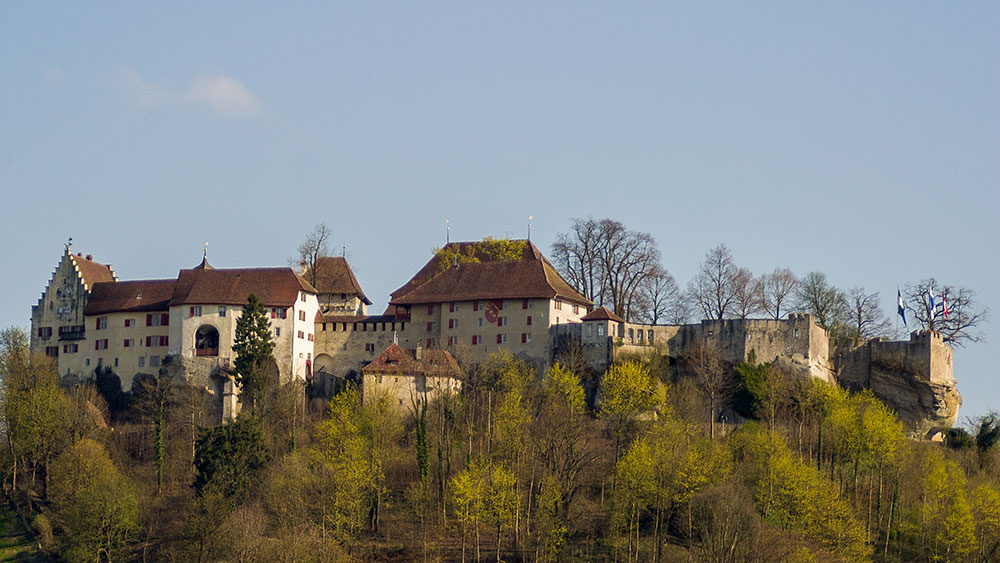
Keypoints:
pixel 565 465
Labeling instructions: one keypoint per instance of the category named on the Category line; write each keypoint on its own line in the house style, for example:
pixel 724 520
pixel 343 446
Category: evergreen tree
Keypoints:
pixel 253 347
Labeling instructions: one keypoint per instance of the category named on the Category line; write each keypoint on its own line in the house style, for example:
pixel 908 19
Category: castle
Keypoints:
pixel 469 300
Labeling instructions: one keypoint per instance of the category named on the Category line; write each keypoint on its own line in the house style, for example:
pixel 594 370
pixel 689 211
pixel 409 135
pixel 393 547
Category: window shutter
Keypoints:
pixel 451 307
pixel 165 319
pixel 97 345
pixel 429 327
pixel 524 304
pixel 149 341
pixel 529 320
pixel 97 323
pixel 475 305
pixel 499 339
pixel 149 319
pixel 191 314
pixel 524 338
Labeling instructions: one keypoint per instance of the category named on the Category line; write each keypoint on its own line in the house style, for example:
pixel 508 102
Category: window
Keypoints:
pixel 524 304
pixel 142 361
pixel 70 348
pixel 600 330
pixel 475 305
pixel 153 319
pixel 310 338
pixel 451 341
pixel 129 343
pixel 101 344
pixel 52 351
pixel 222 311
pixel 301 334
pixel 154 361
pixel 524 338
pixel 277 331
pixel 129 322
pixel 630 335
pixel 302 296
pixel 102 323
pixel 157 341
pixel 302 314
pixel 164 319
pixel 430 342
pixel 529 320
pixel 501 321
pixel 195 311
pixel 430 309
pixel 451 307
pixel 576 309
pixel 430 326
pixel 649 335
pixel 279 313
pixel 44 331
pixel 588 329
pixel 452 323
pixel 558 305
pixel 116 362
pixel 502 338
pixel 480 319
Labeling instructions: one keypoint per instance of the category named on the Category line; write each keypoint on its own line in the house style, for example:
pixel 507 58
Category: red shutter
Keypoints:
pixel 97 324
pixel 499 321
pixel 125 344
pixel 499 339
pixel 524 338
pixel 499 303
pixel 97 345
pixel 524 304
pixel 475 305
pixel 430 309
pixel 165 319
pixel 191 314
pixel 451 307
pixel 474 340
pixel 529 320
pixel 149 341
pixel 149 319
pixel 429 327
pixel 451 323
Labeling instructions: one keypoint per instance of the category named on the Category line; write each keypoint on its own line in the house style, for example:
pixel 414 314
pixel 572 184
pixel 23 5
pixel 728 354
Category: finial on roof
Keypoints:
pixel 530 218
pixel 447 237
pixel 69 245
pixel 204 260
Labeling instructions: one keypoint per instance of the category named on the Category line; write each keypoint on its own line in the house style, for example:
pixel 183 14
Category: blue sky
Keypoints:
pixel 857 139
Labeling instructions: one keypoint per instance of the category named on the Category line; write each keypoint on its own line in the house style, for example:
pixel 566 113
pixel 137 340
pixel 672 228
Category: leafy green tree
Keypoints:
pixel 986 511
pixel 254 349
pixel 95 504
pixel 230 458
pixel 945 517
pixel 109 385
pixel 627 390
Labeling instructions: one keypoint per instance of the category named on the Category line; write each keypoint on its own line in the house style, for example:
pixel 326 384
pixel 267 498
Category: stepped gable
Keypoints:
pixel 529 277
pixel 602 313
pixel 396 361
pixel 334 275
pixel 276 287
pixel 141 295
pixel 92 272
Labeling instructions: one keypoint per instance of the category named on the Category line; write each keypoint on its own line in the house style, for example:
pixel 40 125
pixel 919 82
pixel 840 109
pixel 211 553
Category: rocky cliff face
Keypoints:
pixel 914 378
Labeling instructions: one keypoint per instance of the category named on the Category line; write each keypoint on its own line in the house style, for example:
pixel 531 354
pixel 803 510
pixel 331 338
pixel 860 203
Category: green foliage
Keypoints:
pixel 987 432
pixel 791 494
pixel 958 439
pixel 502 249
pixel 230 458
pixel 485 492
pixel 254 349
pixel 493 249
pixel 420 426
pixel 753 382
pixel 627 390
pixel 151 396
pixel 109 385
pixel 986 512
pixel 945 513
pixel 562 388
pixel 96 505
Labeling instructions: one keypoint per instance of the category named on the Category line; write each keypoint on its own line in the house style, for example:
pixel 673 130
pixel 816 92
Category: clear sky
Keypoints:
pixel 855 138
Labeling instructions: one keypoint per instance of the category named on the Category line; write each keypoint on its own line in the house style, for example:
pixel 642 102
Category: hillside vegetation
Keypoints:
pixel 635 464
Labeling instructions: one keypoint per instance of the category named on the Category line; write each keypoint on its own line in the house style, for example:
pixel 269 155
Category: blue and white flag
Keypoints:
pixel 930 297
pixel 899 305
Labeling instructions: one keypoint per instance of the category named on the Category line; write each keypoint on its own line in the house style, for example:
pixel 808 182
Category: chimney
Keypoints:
pixel 419 353
pixel 90 257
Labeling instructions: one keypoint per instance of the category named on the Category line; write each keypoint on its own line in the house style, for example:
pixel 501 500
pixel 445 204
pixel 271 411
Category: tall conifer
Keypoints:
pixel 253 347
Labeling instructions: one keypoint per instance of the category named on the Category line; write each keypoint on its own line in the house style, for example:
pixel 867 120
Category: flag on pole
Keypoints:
pixel 944 302
pixel 930 296
pixel 899 305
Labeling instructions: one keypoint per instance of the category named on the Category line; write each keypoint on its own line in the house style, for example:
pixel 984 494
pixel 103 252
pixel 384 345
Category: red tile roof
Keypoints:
pixel 602 314
pixel 395 360
pixel 276 287
pixel 92 272
pixel 142 295
pixel 334 275
pixel 530 277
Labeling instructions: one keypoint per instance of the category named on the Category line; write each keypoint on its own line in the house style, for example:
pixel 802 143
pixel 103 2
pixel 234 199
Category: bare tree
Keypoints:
pixel 747 294
pixel 714 381
pixel 777 291
pixel 576 256
pixel 607 263
pixel 660 299
pixel 867 319
pixel 823 301
pixel 965 314
pixel 713 287
pixel 316 246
